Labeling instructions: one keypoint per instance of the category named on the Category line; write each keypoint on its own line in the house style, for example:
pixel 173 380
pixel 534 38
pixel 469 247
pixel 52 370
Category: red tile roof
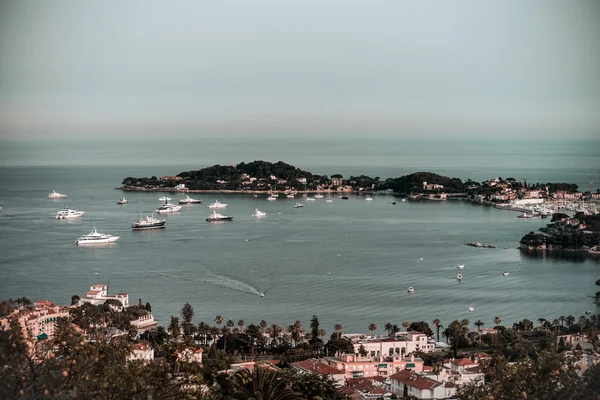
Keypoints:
pixel 92 292
pixel 43 302
pixel 316 366
pixel 463 362
pixel 414 380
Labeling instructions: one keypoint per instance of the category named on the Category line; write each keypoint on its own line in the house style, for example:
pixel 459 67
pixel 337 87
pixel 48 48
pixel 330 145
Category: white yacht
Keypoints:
pixel 122 201
pixel 216 217
pixel 368 198
pixel 167 208
pixel 471 309
pixel 189 200
pixel 459 277
pixel 216 204
pixel 56 195
pixel 310 199
pixel 148 223
pixel 258 213
pixel 411 289
pixel 319 196
pixel 506 273
pixel 94 237
pixel 461 266
pixel 67 213
pixel 290 196
pixel 164 198
pixel 272 197
pixel 298 205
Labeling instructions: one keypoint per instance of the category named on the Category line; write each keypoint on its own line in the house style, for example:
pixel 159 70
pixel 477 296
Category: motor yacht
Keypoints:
pixel 461 266
pixel 344 197
pixel 319 196
pixel 258 213
pixel 216 217
pixel 67 213
pixel 148 223
pixel 329 201
pixel 216 204
pixel 471 309
pixel 411 289
pixel 95 237
pixel 310 199
pixel 506 273
pixel 368 199
pixel 290 196
pixel 298 205
pixel 56 195
pixel 122 201
pixel 167 208
pixel 189 200
pixel 164 198
pixel 459 277
pixel 272 198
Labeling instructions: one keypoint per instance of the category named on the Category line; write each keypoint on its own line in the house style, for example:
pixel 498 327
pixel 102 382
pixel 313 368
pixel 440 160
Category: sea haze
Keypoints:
pixel 349 262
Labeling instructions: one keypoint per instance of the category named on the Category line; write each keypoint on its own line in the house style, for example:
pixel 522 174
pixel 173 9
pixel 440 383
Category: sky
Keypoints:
pixel 147 69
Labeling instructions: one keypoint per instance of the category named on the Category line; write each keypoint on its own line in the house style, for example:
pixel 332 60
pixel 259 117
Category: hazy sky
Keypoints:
pixel 145 68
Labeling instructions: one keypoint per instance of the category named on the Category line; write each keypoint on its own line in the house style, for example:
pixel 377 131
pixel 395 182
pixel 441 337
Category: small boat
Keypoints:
pixel 216 217
pixel 319 196
pixel 94 237
pixel 167 208
pixel 471 309
pixel 461 266
pixel 255 196
pixel 393 202
pixel 56 195
pixel 329 201
pixel 298 205
pixel 189 200
pixel 310 199
pixel 421 259
pixel 164 198
pixel 403 200
pixel 290 196
pixel 216 204
pixel 506 273
pixel 344 197
pixel 122 201
pixel 258 213
pixel 525 215
pixel 588 312
pixel 368 199
pixel 459 277
pixel 411 289
pixel 272 198
pixel 148 223
pixel 67 213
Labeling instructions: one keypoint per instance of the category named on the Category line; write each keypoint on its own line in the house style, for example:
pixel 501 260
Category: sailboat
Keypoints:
pixel 272 197
pixel 329 199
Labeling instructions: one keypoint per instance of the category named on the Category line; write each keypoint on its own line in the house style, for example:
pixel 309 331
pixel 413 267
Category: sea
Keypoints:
pixel 349 262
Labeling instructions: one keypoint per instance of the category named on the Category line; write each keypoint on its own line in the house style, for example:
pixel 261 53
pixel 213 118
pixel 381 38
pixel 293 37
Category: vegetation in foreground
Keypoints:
pixel 526 363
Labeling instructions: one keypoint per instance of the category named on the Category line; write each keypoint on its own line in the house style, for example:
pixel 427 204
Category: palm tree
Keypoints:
pixel 388 327
pixel 372 328
pixel 262 384
pixel 218 321
pixel 263 324
pixel 497 321
pixel 570 320
pixel 394 329
pixel 582 323
pixel 562 320
pixel 338 329
pixel 465 322
pixel 230 324
pixel 438 324
pixel 295 331
pixel 241 324
pixel 479 323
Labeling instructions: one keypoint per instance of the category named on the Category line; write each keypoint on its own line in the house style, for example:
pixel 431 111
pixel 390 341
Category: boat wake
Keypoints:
pixel 232 283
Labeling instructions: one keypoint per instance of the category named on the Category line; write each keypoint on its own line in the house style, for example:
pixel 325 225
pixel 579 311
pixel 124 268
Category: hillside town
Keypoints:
pixel 203 361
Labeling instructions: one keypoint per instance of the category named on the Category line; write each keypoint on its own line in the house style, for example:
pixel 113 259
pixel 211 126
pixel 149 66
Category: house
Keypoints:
pixel 98 294
pixel 144 321
pixel 431 186
pixel 314 366
pixel 37 324
pixel 408 383
pixel 190 355
pixel 402 344
pixel 563 194
pixel 356 366
pixel 141 351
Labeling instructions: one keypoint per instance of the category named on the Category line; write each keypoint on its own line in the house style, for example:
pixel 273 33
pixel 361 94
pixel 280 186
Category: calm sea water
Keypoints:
pixel 349 262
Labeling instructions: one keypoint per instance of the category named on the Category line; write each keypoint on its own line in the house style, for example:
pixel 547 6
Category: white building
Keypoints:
pixel 403 344
pixel 141 351
pixel 410 383
pixel 144 321
pixel 98 294
pixel 313 366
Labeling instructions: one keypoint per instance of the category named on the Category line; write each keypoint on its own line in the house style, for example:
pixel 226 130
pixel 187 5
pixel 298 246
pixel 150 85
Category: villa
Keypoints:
pixel 98 294
pixel 403 344
pixel 356 366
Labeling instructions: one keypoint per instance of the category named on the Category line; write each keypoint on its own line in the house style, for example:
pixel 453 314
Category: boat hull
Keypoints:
pixel 138 227
pixel 223 219
pixel 97 241
pixel 79 215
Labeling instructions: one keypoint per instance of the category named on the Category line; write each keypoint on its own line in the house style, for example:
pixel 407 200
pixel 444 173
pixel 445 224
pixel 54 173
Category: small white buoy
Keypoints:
pixel 279 213
pixel 421 258
pixel 330 273
pixel 246 240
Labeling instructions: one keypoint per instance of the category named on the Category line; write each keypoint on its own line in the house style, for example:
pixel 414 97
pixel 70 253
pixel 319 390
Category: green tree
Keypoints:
pixel 262 383
pixel 173 328
pixel 187 314
pixel 75 300
pixel 438 324
pixel 372 328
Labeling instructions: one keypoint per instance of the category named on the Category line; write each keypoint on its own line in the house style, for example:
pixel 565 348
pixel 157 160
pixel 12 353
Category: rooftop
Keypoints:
pixel 412 379
pixel 316 366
